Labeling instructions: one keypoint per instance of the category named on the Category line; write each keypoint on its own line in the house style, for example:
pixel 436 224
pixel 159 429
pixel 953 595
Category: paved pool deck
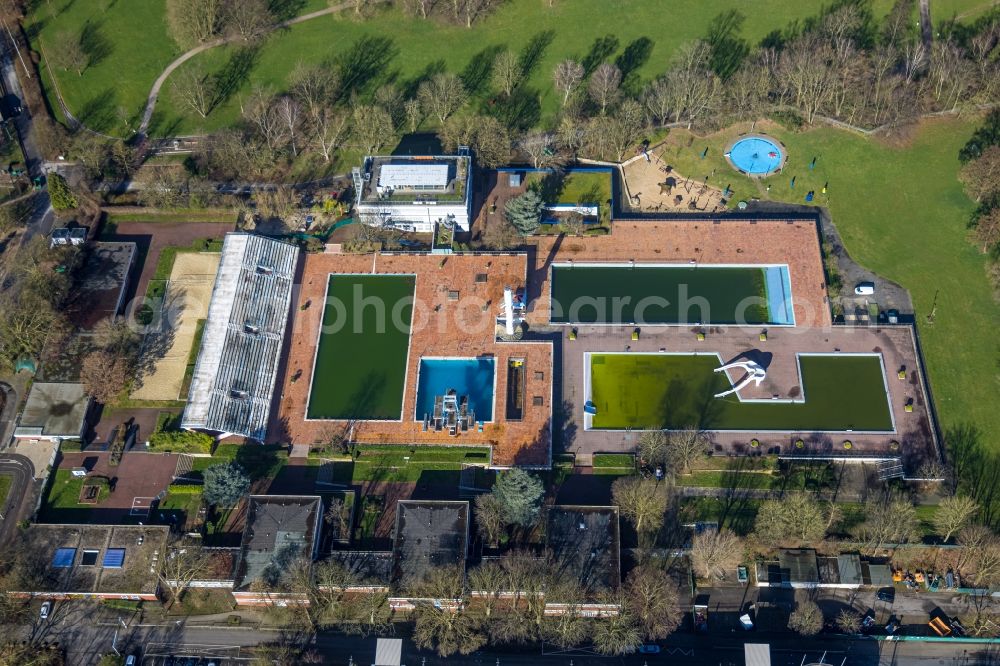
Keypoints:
pixel 456 301
pixel 778 353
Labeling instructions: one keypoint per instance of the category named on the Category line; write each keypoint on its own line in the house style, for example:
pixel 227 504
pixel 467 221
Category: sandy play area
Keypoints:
pixel 653 185
pixel 188 294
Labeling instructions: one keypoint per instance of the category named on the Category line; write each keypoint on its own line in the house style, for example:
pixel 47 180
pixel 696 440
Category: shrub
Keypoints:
pixel 60 194
pixel 180 441
pixel 184 489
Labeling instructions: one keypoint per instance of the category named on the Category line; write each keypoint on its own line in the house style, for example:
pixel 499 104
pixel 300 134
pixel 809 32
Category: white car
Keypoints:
pixel 865 289
pixel 46 607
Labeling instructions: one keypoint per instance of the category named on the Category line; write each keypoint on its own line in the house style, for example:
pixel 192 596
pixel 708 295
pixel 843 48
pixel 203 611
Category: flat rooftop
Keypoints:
pixel 456 301
pixel 104 279
pixel 585 543
pixel 54 410
pixel 403 179
pixel 279 530
pixel 429 535
pixel 106 559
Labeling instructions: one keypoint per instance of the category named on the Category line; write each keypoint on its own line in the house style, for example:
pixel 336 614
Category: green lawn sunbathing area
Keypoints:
pixel 361 358
pixel 587 294
pixel 676 391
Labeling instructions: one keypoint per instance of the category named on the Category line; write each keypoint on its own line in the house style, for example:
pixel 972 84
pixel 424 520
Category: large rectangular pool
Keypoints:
pixel 676 391
pixel 671 294
pixel 472 377
pixel 360 367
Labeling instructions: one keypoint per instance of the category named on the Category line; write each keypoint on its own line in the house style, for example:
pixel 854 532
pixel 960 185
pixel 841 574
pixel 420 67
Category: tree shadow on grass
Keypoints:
pixel 599 52
pixel 411 86
pixel 476 75
pixel 234 74
pixel 631 60
pixel 533 51
pixel 99 111
pixel 363 63
pixel 282 10
pixel 729 50
pixel 95 43
pixel 521 111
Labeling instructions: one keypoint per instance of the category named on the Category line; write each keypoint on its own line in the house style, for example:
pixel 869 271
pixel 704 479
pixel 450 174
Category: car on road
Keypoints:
pixel 131 660
pixel 649 649
pixel 44 613
pixel 886 594
pixel 864 289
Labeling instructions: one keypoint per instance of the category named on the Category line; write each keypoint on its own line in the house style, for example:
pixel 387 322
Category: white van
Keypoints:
pixel 865 289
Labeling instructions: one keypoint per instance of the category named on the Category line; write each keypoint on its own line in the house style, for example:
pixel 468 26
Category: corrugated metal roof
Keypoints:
pixel 237 366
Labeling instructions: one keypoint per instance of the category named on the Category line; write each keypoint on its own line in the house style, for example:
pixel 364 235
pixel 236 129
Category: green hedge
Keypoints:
pixel 184 489
pixel 180 441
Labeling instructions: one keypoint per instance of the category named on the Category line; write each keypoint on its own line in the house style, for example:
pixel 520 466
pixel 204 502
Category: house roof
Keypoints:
pixel 279 529
pixel 585 542
pixel 115 563
pixel 429 535
pixel 794 566
pixel 54 410
pixel 234 378
pixel 103 283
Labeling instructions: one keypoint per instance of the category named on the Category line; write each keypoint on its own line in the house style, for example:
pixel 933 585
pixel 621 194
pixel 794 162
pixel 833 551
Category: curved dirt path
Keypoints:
pixel 154 92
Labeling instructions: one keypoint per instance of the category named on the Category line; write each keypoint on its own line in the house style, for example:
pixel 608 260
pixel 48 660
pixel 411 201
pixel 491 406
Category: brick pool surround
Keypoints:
pixel 734 376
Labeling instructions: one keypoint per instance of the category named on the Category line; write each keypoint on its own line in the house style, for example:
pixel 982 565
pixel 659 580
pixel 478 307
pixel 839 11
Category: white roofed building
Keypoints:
pixel 234 377
pixel 413 193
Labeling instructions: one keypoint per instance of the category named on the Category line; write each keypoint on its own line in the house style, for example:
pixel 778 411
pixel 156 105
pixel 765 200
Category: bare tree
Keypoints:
pixel 490 518
pixel 371 128
pixel 653 599
pixel 642 501
pixel 247 18
pixel 691 81
pixel 442 95
pixel 567 76
pixel 981 554
pixel 328 128
pixel 714 554
pixel 848 621
pixel 489 582
pixel 604 84
pixel 338 517
pixel 184 562
pixel 104 376
pixel 66 52
pixel 568 628
pixel 276 203
pixel 981 176
pixel 806 619
pixel 612 136
pixel 540 147
pixel 291 117
pixel 807 73
pixel 986 232
pixel 390 99
pixel 797 517
pixel 952 514
pixel 414 114
pixel 676 450
pixel 261 113
pixel 501 234
pixel 314 86
pixel 888 520
pixel 194 21
pixel 507 73
pixel 574 223
pixel 617 632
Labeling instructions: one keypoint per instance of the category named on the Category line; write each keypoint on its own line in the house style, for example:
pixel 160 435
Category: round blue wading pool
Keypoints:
pixel 756 155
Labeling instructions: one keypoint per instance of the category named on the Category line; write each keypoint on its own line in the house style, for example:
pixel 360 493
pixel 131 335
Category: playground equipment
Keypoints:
pixel 755 373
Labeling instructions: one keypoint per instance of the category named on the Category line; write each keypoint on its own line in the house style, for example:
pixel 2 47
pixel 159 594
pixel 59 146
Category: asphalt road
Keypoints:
pixel 87 632
pixel 20 500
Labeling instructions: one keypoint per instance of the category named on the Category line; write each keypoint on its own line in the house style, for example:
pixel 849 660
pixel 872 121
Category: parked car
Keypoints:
pixel 865 288
pixel 46 607
pixel 886 594
pixel 892 315
pixel 649 649
pixel 131 660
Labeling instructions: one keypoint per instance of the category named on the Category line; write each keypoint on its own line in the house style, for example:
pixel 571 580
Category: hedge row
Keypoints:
pixel 184 489
pixel 180 441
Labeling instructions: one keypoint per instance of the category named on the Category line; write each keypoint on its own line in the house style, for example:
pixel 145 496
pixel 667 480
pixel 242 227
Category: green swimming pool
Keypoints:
pixel 676 391
pixel 670 294
pixel 360 367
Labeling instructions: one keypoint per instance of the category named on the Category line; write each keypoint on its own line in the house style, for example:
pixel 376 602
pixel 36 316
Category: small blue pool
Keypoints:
pixel 756 155
pixel 473 377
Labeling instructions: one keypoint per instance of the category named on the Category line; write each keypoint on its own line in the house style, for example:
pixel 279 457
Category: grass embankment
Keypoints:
pixel 5 482
pixel 361 365
pixel 901 213
pixel 409 464
pixel 121 75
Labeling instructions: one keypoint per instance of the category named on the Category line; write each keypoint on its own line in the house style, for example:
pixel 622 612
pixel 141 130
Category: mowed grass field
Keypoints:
pixel 129 45
pixel 364 342
pixel 902 213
